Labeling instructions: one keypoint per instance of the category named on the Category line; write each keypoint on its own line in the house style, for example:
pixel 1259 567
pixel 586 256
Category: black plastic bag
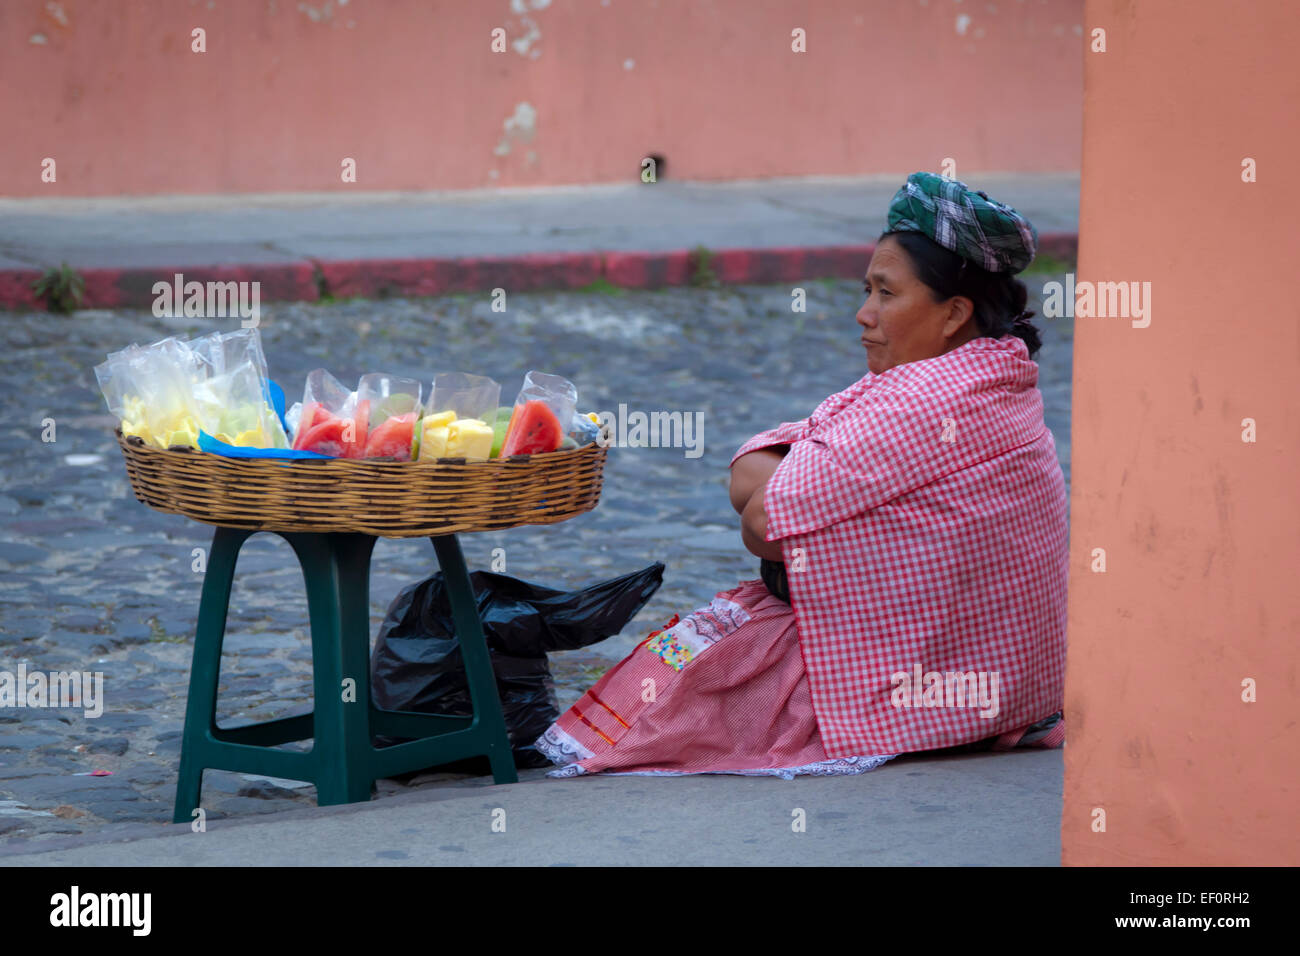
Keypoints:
pixel 417 664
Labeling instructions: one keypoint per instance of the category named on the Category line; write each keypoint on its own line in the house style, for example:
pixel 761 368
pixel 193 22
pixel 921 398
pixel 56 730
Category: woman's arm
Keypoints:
pixel 753 529
pixel 751 472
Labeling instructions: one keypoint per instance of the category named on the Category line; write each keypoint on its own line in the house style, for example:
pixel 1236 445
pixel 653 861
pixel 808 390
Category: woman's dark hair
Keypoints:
pixel 999 297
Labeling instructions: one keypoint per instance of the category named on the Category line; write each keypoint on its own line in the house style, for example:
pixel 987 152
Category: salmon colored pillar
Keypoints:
pixel 1182 699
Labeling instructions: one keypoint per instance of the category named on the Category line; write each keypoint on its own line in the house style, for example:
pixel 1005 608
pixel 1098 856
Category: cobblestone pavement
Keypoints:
pixel 92 580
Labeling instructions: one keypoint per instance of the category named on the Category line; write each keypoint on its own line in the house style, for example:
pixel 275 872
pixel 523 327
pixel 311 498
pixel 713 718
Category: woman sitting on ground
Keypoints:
pixel 912 533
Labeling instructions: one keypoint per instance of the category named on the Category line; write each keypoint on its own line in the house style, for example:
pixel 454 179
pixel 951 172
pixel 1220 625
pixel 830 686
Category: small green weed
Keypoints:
pixel 602 286
pixel 63 289
pixel 158 635
pixel 703 275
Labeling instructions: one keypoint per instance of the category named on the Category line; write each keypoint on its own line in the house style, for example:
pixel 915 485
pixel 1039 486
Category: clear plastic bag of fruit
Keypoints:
pixel 149 389
pixel 222 352
pixel 330 423
pixel 542 415
pixel 231 390
pixel 460 421
pixel 232 407
pixel 391 406
pixel 113 377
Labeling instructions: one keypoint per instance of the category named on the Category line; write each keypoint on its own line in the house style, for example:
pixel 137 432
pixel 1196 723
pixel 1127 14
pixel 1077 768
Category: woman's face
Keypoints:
pixel 900 320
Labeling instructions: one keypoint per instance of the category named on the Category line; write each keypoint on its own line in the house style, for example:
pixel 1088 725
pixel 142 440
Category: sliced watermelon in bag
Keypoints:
pixel 308 417
pixel 392 439
pixel 324 438
pixel 356 447
pixel 533 430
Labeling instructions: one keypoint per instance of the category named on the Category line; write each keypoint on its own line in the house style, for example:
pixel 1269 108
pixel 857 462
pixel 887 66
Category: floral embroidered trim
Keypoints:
pixel 838 766
pixel 560 747
pixel 678 646
pixel 679 643
pixel 720 618
pixel 570 770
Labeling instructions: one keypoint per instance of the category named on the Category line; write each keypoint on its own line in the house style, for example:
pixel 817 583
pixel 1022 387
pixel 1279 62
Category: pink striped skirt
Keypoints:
pixel 723 690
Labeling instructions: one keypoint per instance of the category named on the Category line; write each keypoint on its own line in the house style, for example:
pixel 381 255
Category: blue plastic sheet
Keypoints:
pixel 208 443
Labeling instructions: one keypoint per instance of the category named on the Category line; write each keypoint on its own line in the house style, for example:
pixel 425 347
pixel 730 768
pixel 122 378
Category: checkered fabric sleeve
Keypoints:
pixel 787 433
pixel 858 461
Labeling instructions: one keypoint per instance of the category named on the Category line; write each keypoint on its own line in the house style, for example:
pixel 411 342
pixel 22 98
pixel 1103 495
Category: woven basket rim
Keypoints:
pixel 444 496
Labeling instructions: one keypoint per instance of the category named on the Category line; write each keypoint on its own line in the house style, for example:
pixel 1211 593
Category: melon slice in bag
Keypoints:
pixel 499 426
pixel 325 437
pixel 306 419
pixel 325 402
pixel 530 432
pixel 388 407
pixel 392 439
pixel 533 430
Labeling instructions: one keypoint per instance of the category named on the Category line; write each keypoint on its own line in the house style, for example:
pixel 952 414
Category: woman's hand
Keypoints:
pixel 751 472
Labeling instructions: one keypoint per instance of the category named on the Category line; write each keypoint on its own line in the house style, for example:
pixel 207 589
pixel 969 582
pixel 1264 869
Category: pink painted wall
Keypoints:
pixel 413 92
pixel 1200 529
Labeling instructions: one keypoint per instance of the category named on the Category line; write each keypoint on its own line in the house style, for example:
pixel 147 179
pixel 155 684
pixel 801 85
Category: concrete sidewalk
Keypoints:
pixel 366 244
pixel 974 810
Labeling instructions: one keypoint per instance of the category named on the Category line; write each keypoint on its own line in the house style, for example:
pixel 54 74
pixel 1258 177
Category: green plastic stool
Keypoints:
pixel 343 763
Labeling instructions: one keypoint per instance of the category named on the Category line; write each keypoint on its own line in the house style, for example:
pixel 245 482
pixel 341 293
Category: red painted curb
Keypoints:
pixel 647 270
pixel 380 278
pixel 16 289
pixel 134 288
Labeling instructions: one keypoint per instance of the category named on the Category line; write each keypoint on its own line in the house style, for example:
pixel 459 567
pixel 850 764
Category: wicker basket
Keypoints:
pixel 384 498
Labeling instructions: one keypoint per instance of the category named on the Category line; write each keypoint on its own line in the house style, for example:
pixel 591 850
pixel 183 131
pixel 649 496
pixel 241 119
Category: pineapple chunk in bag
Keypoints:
pixel 232 408
pixel 149 390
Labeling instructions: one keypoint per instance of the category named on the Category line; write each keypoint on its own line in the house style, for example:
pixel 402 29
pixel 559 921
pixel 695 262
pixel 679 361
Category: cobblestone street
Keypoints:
pixel 92 580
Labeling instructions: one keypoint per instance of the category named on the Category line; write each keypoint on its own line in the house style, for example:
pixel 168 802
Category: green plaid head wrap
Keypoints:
pixel 968 222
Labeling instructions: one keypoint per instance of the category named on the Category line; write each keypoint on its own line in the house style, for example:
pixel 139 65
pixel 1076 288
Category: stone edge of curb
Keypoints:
pixel 310 280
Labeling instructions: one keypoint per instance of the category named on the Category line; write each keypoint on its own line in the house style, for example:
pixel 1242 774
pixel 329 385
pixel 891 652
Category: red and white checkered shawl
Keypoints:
pixel 923 519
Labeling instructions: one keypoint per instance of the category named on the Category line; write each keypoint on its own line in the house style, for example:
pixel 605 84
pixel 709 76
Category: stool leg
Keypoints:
pixel 336 570
pixel 478 663
pixel 205 668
